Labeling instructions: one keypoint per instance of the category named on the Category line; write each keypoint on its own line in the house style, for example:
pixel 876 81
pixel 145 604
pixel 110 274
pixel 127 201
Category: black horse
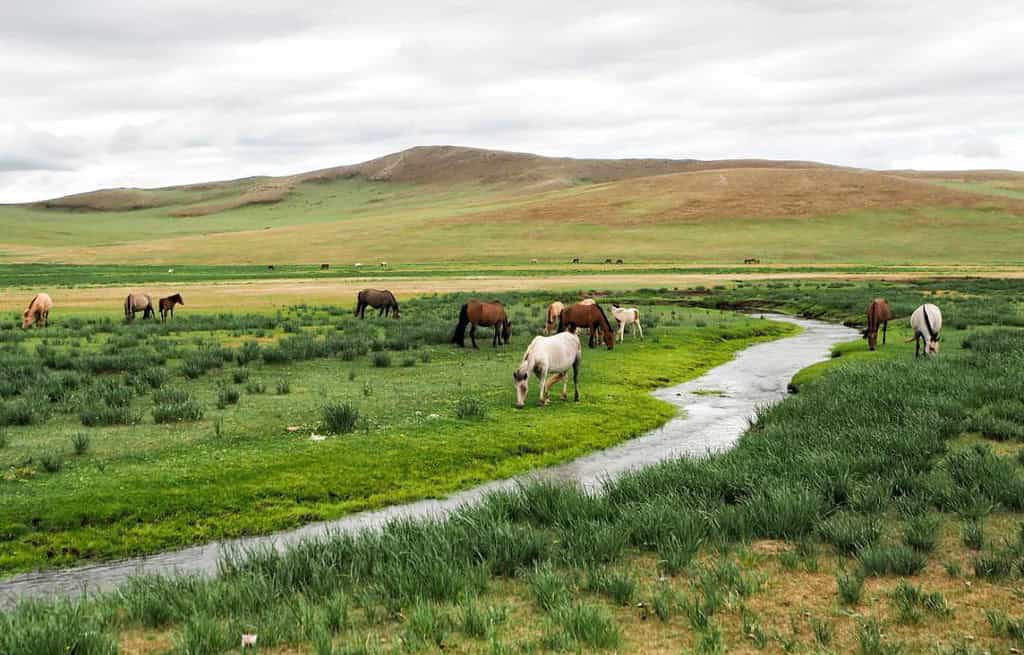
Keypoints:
pixel 382 300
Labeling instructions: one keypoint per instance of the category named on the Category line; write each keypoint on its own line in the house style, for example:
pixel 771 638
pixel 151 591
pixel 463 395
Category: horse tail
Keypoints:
pixel 561 320
pixel 359 301
pixel 459 337
pixel 128 305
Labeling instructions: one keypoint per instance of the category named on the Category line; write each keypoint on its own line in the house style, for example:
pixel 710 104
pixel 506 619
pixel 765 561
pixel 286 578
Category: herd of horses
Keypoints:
pixel 551 354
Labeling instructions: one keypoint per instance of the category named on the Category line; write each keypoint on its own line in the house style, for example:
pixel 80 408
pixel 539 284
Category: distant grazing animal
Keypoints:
pixel 270 268
pixel 358 264
pixel 627 316
pixel 555 354
pixel 879 315
pixel 324 267
pixel 554 311
pixel 618 261
pixel 138 302
pixel 170 270
pixel 588 315
pixel 383 264
pixel 384 301
pixel 926 322
pixel 167 306
pixel 38 311
pixel 608 261
pixel 751 261
pixel 483 314
pixel 533 261
pixel 575 260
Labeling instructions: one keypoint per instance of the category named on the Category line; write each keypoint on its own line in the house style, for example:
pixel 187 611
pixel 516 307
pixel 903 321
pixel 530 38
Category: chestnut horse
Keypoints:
pixel 879 315
pixel 589 315
pixel 384 301
pixel 167 306
pixel 484 314
pixel 38 311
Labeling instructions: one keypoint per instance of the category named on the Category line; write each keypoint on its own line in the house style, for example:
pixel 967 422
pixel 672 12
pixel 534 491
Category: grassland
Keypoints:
pixel 241 460
pixel 483 208
pixel 879 510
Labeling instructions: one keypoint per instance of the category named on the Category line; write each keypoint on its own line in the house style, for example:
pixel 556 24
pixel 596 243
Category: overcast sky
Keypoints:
pixel 106 93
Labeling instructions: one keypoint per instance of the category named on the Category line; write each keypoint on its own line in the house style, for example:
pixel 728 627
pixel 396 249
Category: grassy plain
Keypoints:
pixel 879 510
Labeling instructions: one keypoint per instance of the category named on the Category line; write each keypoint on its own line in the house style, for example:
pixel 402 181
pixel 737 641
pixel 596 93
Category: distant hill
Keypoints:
pixel 446 203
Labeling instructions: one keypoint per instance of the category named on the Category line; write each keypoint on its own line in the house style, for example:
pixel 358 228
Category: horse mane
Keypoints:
pixel 603 317
pixel 31 302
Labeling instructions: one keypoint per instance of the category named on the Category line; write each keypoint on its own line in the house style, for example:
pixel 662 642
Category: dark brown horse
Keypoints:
pixel 384 301
pixel 167 306
pixel 879 315
pixel 484 314
pixel 588 315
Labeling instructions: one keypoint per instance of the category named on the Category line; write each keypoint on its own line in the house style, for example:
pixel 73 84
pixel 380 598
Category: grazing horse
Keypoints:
pixel 555 354
pixel 554 311
pixel 167 306
pixel 627 316
pixel 584 314
pixel 37 312
pixel 575 260
pixel 138 302
pixel 324 267
pixel 879 315
pixel 484 314
pixel 381 300
pixel 926 322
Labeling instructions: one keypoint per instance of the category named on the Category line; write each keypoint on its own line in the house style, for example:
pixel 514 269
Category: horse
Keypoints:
pixel 926 322
pixel 483 314
pixel 270 267
pixel 38 311
pixel 589 315
pixel 138 302
pixel 554 310
pixel 608 260
pixel 555 354
pixel 627 316
pixel 384 301
pixel 575 260
pixel 324 267
pixel 618 261
pixel 167 306
pixel 879 315
pixel 751 260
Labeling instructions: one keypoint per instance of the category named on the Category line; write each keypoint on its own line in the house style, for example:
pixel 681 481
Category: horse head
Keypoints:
pixel 521 380
pixel 26 319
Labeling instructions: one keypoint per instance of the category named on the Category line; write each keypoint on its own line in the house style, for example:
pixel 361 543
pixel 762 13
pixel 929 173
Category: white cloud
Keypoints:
pixel 103 93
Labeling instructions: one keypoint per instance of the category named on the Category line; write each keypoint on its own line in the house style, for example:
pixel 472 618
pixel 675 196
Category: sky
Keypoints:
pixel 108 93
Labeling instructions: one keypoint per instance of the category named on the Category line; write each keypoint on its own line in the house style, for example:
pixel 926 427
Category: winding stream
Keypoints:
pixel 716 408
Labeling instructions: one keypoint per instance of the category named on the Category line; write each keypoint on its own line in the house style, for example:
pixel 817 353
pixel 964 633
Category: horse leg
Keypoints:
pixel 552 382
pixel 543 387
pixel 565 385
pixel 917 345
pixel 472 334
pixel 576 379
pixel 885 328
pixel 622 332
pixel 640 328
pixel 593 329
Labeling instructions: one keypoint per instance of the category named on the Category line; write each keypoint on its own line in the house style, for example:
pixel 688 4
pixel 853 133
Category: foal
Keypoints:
pixel 167 306
pixel 627 316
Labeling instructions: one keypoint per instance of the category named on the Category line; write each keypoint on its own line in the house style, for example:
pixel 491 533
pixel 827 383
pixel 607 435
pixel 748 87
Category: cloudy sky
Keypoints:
pixel 105 93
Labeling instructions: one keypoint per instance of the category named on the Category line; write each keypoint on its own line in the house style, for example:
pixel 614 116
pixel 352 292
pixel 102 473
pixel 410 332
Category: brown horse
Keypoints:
pixel 483 314
pixel 167 306
pixel 589 315
pixel 38 311
pixel 138 302
pixel 879 315
pixel 384 301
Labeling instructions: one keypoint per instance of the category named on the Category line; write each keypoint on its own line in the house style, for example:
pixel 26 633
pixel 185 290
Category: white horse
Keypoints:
pixel 926 322
pixel 555 354
pixel 627 316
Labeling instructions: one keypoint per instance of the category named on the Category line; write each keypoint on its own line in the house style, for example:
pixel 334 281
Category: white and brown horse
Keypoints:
pixel 545 355
pixel 926 322
pixel 38 311
pixel 627 316
pixel 139 302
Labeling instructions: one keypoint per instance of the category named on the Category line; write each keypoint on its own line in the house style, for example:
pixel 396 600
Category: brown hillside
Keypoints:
pixel 740 193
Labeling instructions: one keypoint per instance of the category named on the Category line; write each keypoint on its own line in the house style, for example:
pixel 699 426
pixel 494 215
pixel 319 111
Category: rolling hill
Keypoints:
pixel 445 203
